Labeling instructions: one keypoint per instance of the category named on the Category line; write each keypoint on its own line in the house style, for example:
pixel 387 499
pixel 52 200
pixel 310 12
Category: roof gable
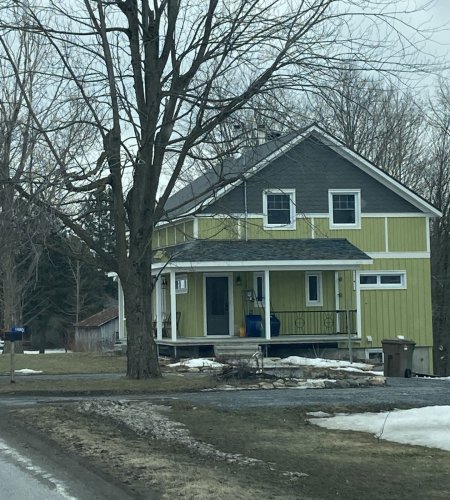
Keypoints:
pixel 100 318
pixel 207 190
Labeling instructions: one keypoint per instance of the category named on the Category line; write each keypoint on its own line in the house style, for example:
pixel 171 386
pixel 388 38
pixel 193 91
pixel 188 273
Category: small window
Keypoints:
pixel 368 279
pixel 344 209
pixel 259 289
pixel 388 279
pixel 313 283
pixel 181 284
pixel 279 209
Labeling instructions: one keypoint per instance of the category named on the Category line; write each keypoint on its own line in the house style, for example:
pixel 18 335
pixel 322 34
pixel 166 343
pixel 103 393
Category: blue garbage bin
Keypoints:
pixel 253 325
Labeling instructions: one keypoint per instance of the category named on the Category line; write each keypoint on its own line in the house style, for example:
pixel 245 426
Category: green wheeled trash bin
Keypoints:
pixel 398 357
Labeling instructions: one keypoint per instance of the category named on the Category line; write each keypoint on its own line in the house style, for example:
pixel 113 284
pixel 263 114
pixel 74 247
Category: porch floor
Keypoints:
pixel 194 344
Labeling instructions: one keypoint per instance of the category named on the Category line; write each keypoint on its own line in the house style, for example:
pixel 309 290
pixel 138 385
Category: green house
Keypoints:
pixel 300 243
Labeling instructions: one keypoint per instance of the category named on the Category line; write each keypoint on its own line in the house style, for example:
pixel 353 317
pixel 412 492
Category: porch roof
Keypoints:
pixel 320 253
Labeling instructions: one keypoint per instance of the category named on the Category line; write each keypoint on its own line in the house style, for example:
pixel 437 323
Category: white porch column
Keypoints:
pixel 173 306
pixel 158 305
pixel 267 303
pixel 337 292
pixel 122 330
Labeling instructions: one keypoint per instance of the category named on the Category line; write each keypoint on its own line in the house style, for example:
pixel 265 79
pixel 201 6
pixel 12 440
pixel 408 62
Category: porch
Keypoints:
pixel 281 345
pixel 210 292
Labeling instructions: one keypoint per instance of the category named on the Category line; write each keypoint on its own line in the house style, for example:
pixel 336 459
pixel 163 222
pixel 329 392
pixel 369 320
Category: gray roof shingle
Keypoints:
pixel 226 171
pixel 320 249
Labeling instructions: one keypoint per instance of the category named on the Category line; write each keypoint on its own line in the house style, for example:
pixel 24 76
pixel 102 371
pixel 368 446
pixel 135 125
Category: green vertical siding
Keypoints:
pixel 222 228
pixel 190 305
pixel 370 238
pixel 173 234
pixel 407 234
pixel 387 313
pixel 256 230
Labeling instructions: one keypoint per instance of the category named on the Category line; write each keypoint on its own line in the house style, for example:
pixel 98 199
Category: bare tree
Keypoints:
pixel 382 121
pixel 438 183
pixel 21 224
pixel 153 80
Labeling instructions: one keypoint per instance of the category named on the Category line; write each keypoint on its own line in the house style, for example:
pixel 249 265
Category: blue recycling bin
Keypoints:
pixel 253 325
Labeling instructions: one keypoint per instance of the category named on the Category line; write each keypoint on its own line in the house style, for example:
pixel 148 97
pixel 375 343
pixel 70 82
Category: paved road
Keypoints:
pixel 33 468
pixel 414 392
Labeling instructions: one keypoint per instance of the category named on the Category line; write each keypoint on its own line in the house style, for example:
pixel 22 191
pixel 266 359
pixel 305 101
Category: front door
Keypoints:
pixel 217 305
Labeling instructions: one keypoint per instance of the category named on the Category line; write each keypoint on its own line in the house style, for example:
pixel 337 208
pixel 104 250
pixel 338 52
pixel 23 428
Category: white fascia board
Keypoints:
pixel 381 215
pixel 399 255
pixel 325 265
pixel 176 220
pixel 377 174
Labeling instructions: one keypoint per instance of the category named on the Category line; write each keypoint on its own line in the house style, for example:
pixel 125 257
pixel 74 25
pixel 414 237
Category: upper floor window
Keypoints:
pixel 345 208
pixel 279 208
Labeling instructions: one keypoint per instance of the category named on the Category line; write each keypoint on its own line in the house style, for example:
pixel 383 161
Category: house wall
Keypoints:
pixel 190 305
pixel 172 234
pixel 96 339
pixel 300 168
pixel 391 312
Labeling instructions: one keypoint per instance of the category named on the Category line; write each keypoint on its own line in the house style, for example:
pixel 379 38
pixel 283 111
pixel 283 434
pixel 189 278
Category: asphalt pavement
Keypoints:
pixel 401 392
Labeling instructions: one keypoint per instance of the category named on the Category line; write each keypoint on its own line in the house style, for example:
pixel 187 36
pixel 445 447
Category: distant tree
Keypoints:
pixel 381 121
pixel 438 183
pixel 66 290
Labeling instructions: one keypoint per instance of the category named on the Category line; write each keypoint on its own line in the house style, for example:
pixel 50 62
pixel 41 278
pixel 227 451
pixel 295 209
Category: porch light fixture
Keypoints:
pixel 238 281
pixel 164 282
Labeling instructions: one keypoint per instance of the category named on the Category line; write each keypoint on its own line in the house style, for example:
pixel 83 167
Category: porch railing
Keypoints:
pixel 316 322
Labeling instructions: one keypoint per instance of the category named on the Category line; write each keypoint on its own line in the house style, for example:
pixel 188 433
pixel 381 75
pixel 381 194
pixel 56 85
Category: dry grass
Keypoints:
pixel 74 365
pixel 79 386
pixel 338 464
pixel 66 363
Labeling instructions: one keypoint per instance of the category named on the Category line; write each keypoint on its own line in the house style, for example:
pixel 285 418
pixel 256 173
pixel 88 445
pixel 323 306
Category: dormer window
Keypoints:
pixel 279 208
pixel 344 208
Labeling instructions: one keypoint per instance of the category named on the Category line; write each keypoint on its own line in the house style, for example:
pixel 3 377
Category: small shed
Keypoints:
pixel 99 332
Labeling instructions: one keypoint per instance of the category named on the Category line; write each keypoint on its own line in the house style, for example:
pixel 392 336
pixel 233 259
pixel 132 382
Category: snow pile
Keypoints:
pixel 419 426
pixel 324 363
pixel 28 371
pixel 197 363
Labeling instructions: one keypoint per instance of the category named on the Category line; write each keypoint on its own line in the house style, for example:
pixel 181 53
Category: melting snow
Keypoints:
pixel 427 426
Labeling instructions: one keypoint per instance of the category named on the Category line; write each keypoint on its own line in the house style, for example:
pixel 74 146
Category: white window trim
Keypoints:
pixel 319 301
pixel 178 279
pixel 255 288
pixel 383 286
pixel 357 194
pixel 293 213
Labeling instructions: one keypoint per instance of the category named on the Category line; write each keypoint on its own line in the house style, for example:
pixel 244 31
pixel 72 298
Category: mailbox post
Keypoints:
pixel 13 336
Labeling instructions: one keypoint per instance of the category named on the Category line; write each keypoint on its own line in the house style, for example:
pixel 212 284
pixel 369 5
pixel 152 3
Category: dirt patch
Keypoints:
pixel 204 453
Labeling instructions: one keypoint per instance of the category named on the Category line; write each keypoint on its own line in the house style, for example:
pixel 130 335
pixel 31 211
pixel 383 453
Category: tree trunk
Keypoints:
pixel 141 348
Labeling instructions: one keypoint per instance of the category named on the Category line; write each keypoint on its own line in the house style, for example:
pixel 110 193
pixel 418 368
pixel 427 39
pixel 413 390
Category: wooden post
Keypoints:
pixel 13 348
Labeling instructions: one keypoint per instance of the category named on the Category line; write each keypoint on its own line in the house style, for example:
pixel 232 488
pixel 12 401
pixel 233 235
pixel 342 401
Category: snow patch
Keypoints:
pixel 419 426
pixel 323 363
pixel 197 363
pixel 28 371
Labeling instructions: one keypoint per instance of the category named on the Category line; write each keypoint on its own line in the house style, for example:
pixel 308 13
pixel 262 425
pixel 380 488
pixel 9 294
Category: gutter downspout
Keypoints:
pixel 245 211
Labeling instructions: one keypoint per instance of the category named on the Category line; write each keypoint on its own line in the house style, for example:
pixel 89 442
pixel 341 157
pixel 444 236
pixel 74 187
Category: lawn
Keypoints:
pixel 73 364
pixel 65 363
